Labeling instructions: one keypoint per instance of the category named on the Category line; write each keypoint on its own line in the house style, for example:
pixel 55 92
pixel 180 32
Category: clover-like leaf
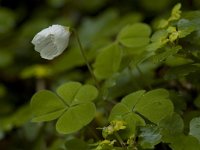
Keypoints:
pixel 183 142
pixel 131 100
pixel 171 126
pixel 108 61
pixel 72 106
pixel 121 112
pixel 153 105
pixel 195 127
pixel 136 35
pixel 76 117
pixel 67 91
pixel 46 106
pixel 83 95
pixel 149 137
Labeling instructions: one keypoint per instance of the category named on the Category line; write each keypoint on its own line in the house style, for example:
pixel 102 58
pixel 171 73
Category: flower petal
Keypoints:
pixel 51 41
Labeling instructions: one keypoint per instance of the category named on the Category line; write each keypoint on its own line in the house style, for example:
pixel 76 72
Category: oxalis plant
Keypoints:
pixel 138 92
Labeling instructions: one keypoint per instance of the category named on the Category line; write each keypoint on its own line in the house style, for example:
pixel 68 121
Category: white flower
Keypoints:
pixel 52 41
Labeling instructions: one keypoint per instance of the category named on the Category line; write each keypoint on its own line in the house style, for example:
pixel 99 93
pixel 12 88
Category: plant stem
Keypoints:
pixel 85 58
pixel 40 84
pixel 119 139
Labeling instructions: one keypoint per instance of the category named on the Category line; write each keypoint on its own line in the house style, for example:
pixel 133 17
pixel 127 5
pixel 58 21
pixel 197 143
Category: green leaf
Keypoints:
pixel 108 61
pixel 195 127
pixel 153 102
pixel 158 39
pixel 171 126
pixel 75 118
pixel 133 121
pixel 122 111
pixel 166 52
pixel 185 27
pixel 191 15
pixel 46 106
pixel 118 112
pixel 146 104
pixel 177 61
pixel 160 35
pixel 131 100
pixel 84 96
pixel 67 91
pixel 176 12
pixel 182 142
pixel 180 71
pixel 136 35
pixel 149 136
pixel 179 102
pixel 72 106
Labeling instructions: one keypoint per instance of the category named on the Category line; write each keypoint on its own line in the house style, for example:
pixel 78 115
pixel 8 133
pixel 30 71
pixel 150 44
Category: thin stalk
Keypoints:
pixel 40 84
pixel 119 139
pixel 85 58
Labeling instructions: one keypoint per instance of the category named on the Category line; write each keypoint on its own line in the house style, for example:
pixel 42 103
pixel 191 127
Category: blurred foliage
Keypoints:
pixel 99 22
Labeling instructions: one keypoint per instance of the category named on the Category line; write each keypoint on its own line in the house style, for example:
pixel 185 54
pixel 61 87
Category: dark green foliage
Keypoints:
pixel 144 90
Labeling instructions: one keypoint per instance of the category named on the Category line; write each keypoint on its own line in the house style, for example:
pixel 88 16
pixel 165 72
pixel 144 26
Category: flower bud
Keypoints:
pixel 52 41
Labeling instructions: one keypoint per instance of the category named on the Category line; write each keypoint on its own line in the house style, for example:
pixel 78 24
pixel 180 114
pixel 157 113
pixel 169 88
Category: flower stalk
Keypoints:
pixel 85 57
